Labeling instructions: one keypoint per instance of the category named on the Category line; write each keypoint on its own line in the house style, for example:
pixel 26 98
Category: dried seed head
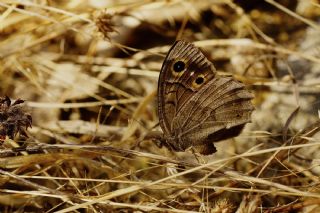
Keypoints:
pixel 223 206
pixel 104 23
pixel 13 118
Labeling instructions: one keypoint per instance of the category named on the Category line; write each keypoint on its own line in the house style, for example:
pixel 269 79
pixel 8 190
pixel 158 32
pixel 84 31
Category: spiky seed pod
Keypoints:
pixel 104 23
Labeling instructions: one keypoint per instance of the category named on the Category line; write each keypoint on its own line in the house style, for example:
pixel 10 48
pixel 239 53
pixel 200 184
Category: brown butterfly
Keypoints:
pixel 196 106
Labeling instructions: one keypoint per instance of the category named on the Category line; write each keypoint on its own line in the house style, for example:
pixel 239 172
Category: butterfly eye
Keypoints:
pixel 179 66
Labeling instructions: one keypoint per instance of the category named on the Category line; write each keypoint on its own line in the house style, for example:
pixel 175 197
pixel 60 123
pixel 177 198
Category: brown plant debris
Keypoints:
pixel 13 118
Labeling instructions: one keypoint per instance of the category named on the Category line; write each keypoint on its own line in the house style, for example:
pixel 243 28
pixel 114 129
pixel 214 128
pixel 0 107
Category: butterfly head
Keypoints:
pixel 173 144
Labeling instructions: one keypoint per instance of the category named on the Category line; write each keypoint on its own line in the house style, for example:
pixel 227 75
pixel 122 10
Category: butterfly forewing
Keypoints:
pixel 175 88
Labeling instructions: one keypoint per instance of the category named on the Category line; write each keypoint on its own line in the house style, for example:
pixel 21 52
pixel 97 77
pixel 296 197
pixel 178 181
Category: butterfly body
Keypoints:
pixel 197 107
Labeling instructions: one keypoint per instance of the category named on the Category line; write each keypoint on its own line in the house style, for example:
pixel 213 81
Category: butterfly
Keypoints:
pixel 196 106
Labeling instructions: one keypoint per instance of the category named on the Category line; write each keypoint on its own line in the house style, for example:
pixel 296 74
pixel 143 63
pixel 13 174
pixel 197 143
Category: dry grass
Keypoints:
pixel 88 71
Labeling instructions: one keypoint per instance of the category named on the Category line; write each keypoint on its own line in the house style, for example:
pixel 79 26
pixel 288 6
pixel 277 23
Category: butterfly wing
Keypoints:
pixel 196 106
